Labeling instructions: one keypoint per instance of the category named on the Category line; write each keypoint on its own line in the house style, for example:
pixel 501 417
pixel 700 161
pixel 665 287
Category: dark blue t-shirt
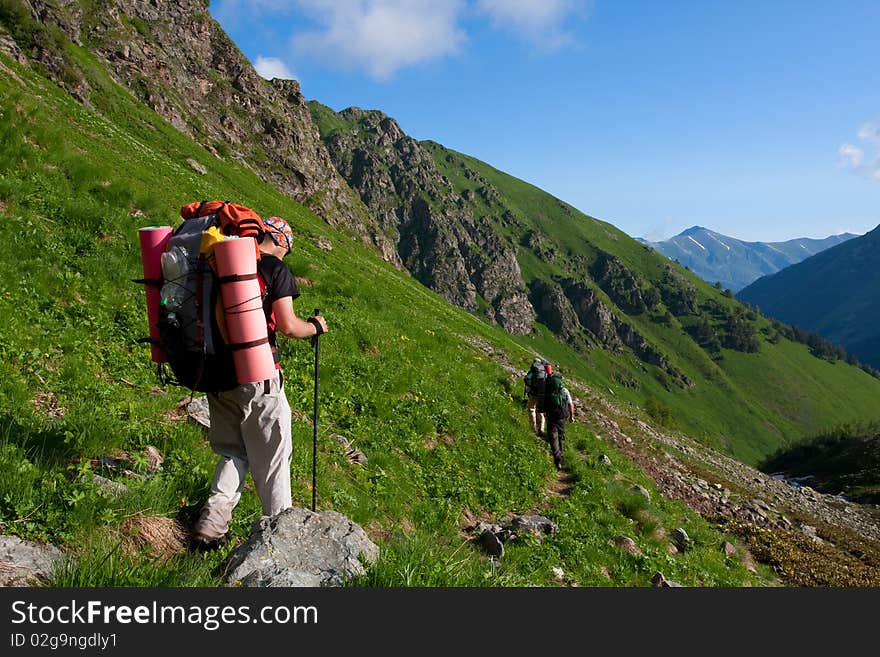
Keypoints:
pixel 279 283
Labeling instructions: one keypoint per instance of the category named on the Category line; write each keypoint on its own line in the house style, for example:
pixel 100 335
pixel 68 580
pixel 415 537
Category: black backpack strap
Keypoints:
pixel 232 278
pixel 238 346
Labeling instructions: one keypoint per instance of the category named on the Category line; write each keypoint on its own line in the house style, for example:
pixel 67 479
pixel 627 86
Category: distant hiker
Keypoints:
pixel 250 423
pixel 534 381
pixel 558 406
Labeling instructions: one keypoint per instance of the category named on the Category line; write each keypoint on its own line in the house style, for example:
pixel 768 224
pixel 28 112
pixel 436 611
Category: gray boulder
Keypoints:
pixel 299 547
pixel 492 543
pixel 681 539
pixel 197 409
pixel 659 581
pixel 108 487
pixel 641 490
pixel 24 563
pixel 537 525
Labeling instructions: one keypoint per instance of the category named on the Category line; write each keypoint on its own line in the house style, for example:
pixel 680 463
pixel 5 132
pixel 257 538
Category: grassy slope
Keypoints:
pixel 808 295
pixel 845 461
pixel 441 425
pixel 748 404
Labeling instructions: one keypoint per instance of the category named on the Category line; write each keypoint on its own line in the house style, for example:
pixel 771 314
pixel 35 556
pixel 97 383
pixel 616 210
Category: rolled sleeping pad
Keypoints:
pixel 154 239
pixel 243 309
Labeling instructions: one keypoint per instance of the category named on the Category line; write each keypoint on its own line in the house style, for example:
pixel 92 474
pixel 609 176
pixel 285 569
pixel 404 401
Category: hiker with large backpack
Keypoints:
pixel 558 406
pixel 534 381
pixel 250 415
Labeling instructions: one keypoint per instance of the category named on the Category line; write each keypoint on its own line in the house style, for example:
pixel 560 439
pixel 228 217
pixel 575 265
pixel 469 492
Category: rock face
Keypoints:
pixel 554 309
pixel 299 547
pixel 572 308
pixel 176 59
pixel 421 223
pixel 24 563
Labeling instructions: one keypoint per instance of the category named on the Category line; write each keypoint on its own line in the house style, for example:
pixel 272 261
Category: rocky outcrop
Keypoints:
pixel 25 563
pixel 554 309
pixel 625 288
pixel 421 224
pixel 593 315
pixel 571 306
pixel 176 59
pixel 299 547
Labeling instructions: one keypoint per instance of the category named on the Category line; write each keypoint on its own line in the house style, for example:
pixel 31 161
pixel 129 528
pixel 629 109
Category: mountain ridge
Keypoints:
pixel 809 295
pixel 736 263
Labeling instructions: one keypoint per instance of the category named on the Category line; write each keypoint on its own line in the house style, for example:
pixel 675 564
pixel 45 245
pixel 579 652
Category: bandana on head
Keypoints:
pixel 280 232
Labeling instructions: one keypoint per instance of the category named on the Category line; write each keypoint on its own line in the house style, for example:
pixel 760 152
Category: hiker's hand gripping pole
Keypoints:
pixel 316 343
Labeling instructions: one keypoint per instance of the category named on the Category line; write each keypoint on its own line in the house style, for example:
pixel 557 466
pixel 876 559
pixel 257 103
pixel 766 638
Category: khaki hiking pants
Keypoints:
pixel 536 419
pixel 250 429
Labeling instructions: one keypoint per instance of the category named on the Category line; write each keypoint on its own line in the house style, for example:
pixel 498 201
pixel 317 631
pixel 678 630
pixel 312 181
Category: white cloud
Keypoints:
pixel 381 36
pixel 544 22
pixel 858 159
pixel 663 230
pixel 870 131
pixel 850 155
pixel 272 67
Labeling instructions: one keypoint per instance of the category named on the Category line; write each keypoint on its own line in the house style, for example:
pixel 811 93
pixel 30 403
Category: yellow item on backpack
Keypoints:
pixel 210 238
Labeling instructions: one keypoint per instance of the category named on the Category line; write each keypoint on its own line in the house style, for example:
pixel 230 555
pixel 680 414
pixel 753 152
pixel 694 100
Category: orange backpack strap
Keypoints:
pixel 200 209
pixel 238 220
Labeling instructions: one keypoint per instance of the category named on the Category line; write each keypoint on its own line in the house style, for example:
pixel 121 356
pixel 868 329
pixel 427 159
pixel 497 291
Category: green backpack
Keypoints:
pixel 554 397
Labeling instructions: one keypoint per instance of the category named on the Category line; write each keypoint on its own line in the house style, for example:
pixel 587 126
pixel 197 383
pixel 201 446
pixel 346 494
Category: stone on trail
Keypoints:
pixel 299 547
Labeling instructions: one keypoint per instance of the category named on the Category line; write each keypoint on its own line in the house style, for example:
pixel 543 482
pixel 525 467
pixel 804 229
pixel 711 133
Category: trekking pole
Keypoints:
pixel 316 342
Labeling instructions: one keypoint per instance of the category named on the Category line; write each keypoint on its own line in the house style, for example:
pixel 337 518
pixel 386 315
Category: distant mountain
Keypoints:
pixel 835 294
pixel 734 263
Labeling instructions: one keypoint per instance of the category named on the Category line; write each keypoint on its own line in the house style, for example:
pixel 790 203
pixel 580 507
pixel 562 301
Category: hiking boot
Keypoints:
pixel 208 533
pixel 201 543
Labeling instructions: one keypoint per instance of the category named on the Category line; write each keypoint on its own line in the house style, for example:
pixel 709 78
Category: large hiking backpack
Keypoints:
pixel 190 319
pixel 536 377
pixel 554 395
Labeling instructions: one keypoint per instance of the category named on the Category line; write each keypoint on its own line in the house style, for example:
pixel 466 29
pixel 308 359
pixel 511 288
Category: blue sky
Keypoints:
pixel 760 120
